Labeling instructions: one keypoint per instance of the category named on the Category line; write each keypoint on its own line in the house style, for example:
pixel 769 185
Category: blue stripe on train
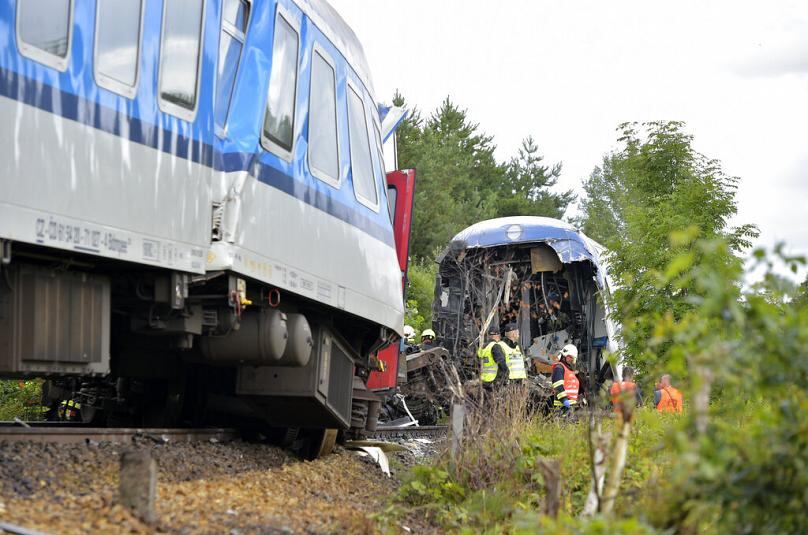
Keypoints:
pixel 83 111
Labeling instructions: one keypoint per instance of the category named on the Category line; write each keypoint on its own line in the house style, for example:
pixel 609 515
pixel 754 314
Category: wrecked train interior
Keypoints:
pixel 540 273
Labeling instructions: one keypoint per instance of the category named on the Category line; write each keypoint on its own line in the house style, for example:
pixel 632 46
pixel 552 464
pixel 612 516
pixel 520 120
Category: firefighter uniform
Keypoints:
pixel 565 384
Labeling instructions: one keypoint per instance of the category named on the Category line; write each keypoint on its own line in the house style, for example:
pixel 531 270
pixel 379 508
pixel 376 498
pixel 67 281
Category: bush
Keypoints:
pixel 21 399
pixel 420 294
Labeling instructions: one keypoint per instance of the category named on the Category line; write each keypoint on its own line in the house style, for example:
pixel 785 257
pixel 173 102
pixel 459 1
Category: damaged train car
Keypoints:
pixel 540 273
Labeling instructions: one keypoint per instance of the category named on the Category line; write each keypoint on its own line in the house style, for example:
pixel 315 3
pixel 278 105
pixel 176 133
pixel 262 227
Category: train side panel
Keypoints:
pixel 167 263
pixel 341 252
pixel 88 170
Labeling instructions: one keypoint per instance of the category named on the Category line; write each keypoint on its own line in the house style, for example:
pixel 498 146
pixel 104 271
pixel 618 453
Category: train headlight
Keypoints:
pixel 514 232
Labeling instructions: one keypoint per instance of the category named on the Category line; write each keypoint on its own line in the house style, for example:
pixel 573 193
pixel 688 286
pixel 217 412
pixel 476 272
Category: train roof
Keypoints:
pixel 569 243
pixel 341 36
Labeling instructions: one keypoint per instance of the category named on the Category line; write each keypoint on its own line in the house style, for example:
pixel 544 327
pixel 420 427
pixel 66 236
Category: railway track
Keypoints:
pixel 425 431
pixel 59 432
pixel 62 434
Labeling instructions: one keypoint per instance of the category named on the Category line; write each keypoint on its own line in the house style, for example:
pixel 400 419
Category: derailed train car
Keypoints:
pixel 540 273
pixel 195 223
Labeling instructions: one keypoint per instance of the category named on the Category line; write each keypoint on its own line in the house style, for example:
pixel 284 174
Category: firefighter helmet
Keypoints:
pixel 570 351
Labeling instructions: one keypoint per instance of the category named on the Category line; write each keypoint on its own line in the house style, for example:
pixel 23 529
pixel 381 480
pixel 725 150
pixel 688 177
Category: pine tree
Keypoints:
pixel 459 181
pixel 455 166
pixel 526 188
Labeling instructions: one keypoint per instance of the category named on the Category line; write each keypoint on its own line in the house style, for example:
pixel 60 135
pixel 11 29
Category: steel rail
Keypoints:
pixel 425 431
pixel 78 434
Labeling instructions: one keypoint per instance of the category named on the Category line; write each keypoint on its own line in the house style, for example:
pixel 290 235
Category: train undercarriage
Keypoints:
pixel 129 346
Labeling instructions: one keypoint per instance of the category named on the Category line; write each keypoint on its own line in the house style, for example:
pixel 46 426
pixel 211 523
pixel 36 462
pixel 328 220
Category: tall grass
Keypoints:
pixel 496 481
pixel 492 439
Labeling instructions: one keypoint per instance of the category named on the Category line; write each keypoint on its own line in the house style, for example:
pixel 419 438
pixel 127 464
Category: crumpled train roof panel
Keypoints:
pixel 569 243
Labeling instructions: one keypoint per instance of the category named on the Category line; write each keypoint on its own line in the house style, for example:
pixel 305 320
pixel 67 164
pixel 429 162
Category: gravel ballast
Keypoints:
pixel 234 488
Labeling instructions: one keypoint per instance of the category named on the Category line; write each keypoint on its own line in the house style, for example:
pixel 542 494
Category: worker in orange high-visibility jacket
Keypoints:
pixel 620 390
pixel 565 382
pixel 666 397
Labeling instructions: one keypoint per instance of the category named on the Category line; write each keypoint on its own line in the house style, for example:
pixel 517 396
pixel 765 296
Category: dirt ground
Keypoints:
pixel 234 488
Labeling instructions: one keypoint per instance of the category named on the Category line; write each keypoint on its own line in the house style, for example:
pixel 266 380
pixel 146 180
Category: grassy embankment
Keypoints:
pixel 497 482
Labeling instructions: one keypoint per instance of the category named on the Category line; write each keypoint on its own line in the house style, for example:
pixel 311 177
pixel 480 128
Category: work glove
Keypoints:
pixel 566 403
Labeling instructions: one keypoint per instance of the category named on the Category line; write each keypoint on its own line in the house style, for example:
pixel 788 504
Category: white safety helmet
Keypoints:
pixel 570 351
pixel 428 332
pixel 409 333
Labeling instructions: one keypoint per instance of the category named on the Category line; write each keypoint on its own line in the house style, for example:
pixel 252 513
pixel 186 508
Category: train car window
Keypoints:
pixel 361 164
pixel 117 44
pixel 237 14
pixel 380 174
pixel 392 199
pixel 45 39
pixel 235 17
pixel 279 119
pixel 180 57
pixel 323 142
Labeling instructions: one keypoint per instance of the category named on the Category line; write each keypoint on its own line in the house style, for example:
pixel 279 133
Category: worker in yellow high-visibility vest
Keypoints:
pixel 493 359
pixel 516 360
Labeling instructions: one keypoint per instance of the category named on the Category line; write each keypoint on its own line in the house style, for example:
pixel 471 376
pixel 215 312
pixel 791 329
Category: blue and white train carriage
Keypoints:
pixel 193 208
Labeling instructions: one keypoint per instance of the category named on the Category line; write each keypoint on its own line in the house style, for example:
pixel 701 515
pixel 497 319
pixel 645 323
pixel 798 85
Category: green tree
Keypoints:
pixel 600 207
pixel 527 183
pixel 408 134
pixel 656 186
pixel 460 182
pixel 455 169
pixel 742 445
pixel 801 299
pixel 420 293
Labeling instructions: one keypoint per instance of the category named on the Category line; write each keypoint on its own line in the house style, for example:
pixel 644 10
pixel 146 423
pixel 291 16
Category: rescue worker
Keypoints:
pixel 69 410
pixel 408 345
pixel 515 358
pixel 626 387
pixel 493 359
pixel 409 335
pixel 427 340
pixel 666 397
pixel 554 318
pixel 565 382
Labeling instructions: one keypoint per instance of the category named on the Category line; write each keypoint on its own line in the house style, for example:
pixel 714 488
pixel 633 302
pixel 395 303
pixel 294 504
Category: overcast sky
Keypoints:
pixel 568 72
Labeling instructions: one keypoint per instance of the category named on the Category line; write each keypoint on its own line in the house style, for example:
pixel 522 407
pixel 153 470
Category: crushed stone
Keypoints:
pixel 234 488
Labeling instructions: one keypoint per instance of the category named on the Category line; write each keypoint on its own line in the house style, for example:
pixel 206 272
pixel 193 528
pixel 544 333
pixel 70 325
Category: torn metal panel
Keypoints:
pixel 569 243
pixel 544 259
pixel 541 274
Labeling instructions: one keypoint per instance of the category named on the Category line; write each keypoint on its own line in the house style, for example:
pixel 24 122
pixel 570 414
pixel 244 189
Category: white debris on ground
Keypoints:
pixel 377 455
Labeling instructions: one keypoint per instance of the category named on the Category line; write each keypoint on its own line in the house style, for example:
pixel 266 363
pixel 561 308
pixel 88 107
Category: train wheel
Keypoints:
pixel 319 443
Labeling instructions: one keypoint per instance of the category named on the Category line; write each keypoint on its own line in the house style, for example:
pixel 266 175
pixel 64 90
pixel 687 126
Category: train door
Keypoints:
pixel 400 198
